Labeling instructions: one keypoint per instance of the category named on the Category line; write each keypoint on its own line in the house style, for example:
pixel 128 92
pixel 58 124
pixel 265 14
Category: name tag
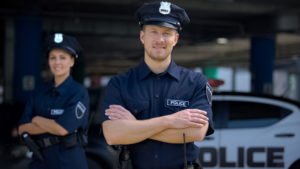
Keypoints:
pixel 177 103
pixel 55 112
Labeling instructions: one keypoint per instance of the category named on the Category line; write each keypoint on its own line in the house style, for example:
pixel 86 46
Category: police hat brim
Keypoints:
pixel 160 20
pixel 160 23
pixel 66 48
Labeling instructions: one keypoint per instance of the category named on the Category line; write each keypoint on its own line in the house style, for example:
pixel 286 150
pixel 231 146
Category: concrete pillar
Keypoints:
pixel 28 56
pixel 263 51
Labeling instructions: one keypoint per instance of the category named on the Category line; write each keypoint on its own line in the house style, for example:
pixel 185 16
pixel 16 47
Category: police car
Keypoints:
pixel 253 132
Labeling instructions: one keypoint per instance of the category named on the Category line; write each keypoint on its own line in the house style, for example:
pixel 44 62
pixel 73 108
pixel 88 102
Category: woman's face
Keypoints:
pixel 60 62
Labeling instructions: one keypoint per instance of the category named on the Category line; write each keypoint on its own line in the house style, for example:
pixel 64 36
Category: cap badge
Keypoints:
pixel 58 38
pixel 165 8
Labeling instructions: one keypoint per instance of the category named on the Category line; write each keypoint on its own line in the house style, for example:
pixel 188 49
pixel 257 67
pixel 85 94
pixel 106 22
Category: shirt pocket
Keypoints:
pixel 138 108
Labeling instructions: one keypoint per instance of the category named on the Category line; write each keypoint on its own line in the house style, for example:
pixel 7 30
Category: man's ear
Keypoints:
pixel 176 38
pixel 142 35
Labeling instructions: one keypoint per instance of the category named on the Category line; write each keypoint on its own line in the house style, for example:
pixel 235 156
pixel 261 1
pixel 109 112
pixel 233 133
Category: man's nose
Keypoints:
pixel 160 38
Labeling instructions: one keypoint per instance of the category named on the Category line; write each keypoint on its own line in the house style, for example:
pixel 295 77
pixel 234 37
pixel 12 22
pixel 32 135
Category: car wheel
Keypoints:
pixel 93 164
pixel 295 165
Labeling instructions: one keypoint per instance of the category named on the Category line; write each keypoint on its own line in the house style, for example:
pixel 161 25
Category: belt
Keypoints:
pixel 68 140
pixel 48 141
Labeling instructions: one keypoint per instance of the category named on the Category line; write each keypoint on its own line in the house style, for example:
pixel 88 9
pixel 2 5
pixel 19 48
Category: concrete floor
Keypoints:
pixel 14 157
pixel 19 164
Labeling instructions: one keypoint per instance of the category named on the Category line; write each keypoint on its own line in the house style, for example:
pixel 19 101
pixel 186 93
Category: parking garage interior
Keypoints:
pixel 250 45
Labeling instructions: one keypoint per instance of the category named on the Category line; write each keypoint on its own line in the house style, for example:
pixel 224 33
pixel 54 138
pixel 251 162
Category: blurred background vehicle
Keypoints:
pixel 252 131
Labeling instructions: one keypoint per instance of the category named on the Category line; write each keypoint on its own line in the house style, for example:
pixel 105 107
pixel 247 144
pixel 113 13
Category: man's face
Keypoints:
pixel 158 41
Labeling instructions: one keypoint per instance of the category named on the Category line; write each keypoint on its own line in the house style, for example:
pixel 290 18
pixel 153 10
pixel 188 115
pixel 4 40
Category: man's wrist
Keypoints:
pixel 166 121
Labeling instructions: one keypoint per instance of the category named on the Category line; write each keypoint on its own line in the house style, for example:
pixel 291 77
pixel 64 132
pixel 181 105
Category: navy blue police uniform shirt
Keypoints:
pixel 148 95
pixel 68 105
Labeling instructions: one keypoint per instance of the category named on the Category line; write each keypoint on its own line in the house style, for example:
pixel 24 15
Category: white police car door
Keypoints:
pixel 210 146
pixel 253 133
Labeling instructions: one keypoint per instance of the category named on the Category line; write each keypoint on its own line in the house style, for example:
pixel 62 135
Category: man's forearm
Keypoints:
pixel 132 131
pixel 175 136
pixel 123 128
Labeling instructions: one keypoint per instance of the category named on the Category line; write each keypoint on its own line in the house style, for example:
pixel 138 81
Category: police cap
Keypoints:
pixel 66 42
pixel 163 14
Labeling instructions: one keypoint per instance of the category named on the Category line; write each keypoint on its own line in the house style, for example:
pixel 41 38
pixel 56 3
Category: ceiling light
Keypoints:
pixel 222 41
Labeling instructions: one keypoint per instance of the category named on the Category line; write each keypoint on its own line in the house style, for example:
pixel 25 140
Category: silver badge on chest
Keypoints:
pixel 177 103
pixel 56 112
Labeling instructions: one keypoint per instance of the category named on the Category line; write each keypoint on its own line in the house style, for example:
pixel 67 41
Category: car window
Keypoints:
pixel 243 114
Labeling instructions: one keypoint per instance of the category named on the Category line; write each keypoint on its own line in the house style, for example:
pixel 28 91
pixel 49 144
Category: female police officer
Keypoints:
pixel 157 106
pixel 56 116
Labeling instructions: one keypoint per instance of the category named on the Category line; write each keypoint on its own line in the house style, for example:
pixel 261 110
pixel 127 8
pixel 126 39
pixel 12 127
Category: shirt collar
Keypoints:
pixel 174 70
pixel 144 71
pixel 62 88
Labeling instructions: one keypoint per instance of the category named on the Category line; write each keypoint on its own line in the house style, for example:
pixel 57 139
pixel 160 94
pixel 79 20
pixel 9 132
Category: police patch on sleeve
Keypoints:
pixel 80 110
pixel 209 93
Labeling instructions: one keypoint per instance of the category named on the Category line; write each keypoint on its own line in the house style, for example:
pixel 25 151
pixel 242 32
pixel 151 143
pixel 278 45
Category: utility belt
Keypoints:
pixel 125 160
pixel 70 140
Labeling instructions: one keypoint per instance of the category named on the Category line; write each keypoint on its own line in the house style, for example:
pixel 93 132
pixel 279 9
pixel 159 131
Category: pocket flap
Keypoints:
pixel 137 106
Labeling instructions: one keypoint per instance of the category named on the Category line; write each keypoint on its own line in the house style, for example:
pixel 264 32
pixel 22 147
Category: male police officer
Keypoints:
pixel 157 106
pixel 57 114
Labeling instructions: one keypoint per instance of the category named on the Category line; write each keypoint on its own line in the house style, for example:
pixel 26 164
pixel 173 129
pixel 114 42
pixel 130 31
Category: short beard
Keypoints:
pixel 159 59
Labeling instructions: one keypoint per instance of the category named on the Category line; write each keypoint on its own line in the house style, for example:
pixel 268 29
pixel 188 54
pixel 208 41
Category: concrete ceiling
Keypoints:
pixel 109 33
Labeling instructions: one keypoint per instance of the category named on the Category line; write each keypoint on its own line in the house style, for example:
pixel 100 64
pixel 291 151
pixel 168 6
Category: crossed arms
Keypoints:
pixel 123 128
pixel 40 125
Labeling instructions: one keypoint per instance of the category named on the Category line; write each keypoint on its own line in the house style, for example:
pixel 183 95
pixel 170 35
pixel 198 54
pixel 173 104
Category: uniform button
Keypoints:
pixel 156 156
pixel 156 96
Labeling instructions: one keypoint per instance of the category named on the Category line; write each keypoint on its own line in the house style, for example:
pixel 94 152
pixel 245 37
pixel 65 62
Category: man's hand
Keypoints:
pixel 117 112
pixel 188 118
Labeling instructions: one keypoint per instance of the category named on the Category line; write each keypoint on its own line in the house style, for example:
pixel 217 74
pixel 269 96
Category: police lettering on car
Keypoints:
pixel 252 131
pixel 56 116
pixel 157 108
pixel 253 157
